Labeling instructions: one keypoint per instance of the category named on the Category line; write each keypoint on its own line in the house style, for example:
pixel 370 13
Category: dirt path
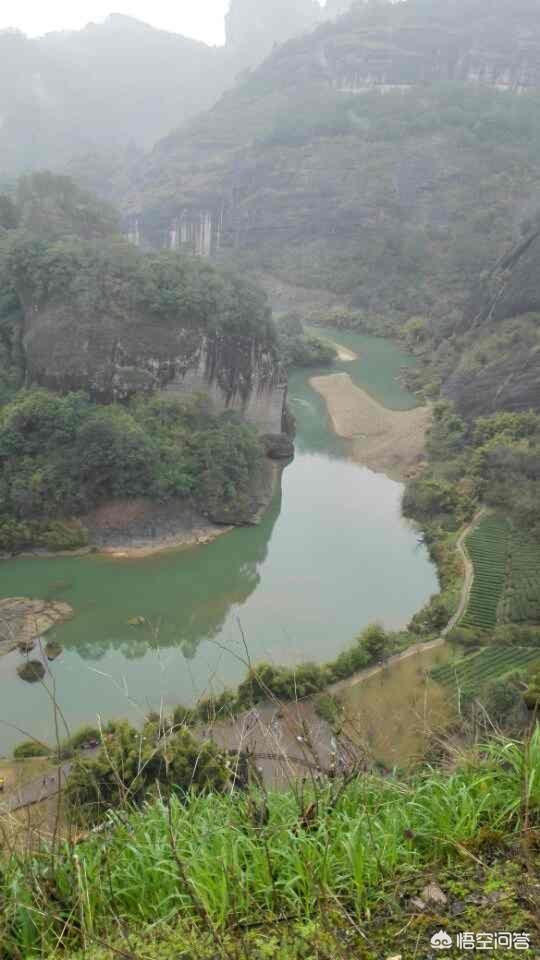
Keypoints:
pixel 369 672
pixel 42 788
pixel 469 572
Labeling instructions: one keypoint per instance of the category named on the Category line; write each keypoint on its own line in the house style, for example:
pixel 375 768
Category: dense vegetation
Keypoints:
pixel 60 456
pixel 330 868
pixel 473 672
pixel 85 313
pixel 493 460
pixel 300 349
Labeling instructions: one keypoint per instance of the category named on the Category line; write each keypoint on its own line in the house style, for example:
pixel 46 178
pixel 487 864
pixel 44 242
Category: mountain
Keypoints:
pixel 499 367
pixel 103 87
pixel 114 88
pixel 252 27
pixel 388 156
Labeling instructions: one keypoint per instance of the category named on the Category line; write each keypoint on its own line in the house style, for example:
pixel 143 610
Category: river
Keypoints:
pixel 332 554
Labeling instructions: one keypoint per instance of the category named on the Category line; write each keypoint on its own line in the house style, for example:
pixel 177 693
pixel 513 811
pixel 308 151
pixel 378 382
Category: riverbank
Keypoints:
pixel 135 529
pixel 387 441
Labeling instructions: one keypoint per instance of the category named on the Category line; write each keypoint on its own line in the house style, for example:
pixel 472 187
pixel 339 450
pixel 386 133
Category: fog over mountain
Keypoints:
pixel 121 84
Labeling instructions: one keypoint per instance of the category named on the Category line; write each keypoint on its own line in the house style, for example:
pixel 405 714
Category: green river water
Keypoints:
pixel 332 554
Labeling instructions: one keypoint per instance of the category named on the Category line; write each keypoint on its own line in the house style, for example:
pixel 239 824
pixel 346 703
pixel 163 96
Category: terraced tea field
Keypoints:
pixel 474 671
pixel 506 585
pixel 521 600
pixel 488 546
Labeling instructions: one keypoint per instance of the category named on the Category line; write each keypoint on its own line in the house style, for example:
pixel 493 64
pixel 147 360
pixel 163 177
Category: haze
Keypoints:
pixel 203 20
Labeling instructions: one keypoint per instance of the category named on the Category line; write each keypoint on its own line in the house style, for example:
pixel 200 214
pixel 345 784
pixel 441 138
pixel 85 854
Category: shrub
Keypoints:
pixel 466 637
pixel 32 671
pixel 137 762
pixel 31 748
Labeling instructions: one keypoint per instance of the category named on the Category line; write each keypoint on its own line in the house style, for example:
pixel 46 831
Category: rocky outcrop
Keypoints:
pixel 502 324
pixel 269 164
pixel 24 621
pixel 120 323
pixel 114 361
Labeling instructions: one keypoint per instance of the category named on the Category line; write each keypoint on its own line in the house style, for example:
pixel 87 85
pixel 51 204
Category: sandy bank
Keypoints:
pixel 387 441
pixel 343 353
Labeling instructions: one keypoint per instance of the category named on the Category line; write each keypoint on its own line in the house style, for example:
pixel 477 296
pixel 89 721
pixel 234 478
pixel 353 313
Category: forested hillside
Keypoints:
pixel 390 156
pixel 87 316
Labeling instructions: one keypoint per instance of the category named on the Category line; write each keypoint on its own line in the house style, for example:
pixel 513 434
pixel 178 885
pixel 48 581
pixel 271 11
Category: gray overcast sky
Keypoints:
pixel 202 19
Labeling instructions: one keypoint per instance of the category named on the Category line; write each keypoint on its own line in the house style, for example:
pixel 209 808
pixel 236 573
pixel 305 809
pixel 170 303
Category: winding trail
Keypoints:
pixel 469 571
pixel 468 581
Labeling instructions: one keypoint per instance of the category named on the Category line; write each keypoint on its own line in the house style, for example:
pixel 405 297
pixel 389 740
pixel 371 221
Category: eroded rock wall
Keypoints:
pixel 113 361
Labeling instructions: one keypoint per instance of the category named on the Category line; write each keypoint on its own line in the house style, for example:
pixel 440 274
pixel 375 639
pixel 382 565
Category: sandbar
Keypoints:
pixel 386 441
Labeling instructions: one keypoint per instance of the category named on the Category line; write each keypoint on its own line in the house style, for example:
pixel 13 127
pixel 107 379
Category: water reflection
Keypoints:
pixel 181 598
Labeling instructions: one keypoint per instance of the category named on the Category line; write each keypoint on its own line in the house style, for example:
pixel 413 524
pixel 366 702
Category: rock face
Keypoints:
pixel 226 183
pixel 114 362
pixel 23 621
pixel 506 306
pixel 122 323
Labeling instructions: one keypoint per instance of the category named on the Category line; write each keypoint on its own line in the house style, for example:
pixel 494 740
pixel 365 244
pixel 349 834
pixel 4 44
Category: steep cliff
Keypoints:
pixel 87 311
pixel 500 338
pixel 109 320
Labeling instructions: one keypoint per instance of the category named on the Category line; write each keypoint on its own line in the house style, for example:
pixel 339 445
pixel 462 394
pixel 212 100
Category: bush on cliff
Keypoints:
pixel 64 455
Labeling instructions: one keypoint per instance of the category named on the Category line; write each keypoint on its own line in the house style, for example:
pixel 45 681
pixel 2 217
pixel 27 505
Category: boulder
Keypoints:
pixel 278 446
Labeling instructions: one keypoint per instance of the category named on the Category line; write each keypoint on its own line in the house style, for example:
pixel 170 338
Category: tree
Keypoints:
pixel 131 764
pixel 374 641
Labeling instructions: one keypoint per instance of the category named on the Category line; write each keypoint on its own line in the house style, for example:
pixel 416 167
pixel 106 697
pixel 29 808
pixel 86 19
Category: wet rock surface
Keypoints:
pixel 23 622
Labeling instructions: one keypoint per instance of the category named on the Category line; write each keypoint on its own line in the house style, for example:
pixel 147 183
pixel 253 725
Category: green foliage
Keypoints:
pixel 63 455
pixel 532 693
pixel 32 671
pixel 198 863
pixel 163 287
pixel 53 535
pixel 473 672
pixel 506 589
pixel 466 637
pixel 488 548
pixel 31 748
pixel 132 764
pixel 329 708
pixel 51 206
pixel 431 619
pixel 502 698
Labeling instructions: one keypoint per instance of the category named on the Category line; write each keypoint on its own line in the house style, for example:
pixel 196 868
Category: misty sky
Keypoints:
pixel 202 19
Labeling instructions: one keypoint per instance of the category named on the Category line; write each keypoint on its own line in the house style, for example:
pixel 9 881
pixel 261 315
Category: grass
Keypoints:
pixel 226 865
pixel 472 672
